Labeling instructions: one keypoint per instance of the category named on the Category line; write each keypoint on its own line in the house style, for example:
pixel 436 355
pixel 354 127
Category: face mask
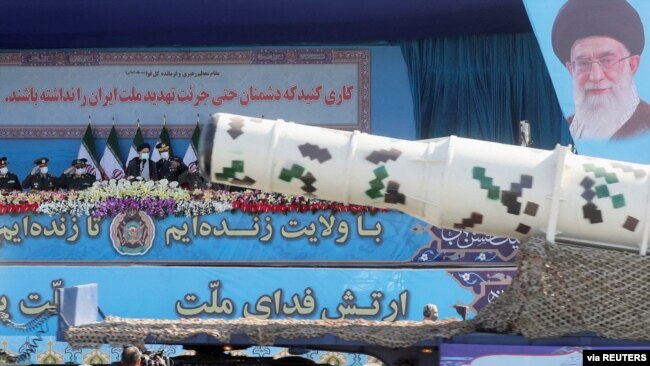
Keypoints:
pixel 144 156
pixel 43 170
pixel 164 155
pixel 4 170
pixel 81 171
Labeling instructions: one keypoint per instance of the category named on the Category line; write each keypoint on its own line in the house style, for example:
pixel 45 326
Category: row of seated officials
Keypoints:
pixel 77 178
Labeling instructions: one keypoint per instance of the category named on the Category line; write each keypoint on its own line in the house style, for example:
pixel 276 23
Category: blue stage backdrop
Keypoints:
pixel 376 97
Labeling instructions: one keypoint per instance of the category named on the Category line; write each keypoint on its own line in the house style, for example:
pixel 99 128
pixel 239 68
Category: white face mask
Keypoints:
pixel 4 170
pixel 80 171
pixel 43 170
pixel 144 156
pixel 164 155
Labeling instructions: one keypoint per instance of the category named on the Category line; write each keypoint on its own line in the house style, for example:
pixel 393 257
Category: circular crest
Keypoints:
pixel 132 232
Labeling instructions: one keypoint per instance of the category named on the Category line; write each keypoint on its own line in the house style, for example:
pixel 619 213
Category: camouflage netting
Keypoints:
pixel 562 289
pixel 119 331
pixel 558 290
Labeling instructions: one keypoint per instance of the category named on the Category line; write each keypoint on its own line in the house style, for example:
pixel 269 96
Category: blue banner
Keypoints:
pixel 323 237
pixel 28 293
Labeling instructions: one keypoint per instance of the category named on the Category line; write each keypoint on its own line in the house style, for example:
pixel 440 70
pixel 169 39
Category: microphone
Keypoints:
pixel 524 134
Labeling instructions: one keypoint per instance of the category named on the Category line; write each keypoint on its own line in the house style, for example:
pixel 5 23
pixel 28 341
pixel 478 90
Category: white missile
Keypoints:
pixel 450 182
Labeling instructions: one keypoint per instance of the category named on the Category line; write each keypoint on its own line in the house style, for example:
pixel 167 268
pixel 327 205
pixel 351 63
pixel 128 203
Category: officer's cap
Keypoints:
pixel 79 163
pixel 162 147
pixel 41 161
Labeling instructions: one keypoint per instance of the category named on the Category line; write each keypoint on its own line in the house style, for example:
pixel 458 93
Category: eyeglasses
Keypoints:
pixel 605 63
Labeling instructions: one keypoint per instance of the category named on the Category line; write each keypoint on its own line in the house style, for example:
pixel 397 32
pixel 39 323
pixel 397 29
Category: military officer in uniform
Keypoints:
pixel 169 167
pixel 39 179
pixel 191 179
pixel 8 181
pixel 76 177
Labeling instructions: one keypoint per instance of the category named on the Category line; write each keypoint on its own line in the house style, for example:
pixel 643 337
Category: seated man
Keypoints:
pixel 169 167
pixel 141 166
pixel 8 181
pixel 76 178
pixel 191 179
pixel 39 179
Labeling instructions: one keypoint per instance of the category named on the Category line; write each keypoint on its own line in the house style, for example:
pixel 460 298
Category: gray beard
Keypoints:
pixel 600 116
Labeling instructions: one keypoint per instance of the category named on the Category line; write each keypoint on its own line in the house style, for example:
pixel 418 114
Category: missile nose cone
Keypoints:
pixel 206 145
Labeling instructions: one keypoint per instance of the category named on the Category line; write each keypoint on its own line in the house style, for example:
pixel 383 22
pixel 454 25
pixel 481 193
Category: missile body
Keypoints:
pixel 451 182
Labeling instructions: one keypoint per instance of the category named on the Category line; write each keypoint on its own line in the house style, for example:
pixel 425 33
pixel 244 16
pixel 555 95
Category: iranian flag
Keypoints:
pixel 111 163
pixel 164 137
pixel 87 151
pixel 193 149
pixel 137 141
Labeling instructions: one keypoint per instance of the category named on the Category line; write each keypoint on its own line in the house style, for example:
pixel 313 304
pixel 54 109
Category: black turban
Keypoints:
pixel 143 146
pixel 579 19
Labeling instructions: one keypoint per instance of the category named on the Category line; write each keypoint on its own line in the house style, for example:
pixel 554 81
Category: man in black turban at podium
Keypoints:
pixel 600 42
pixel 39 179
pixel 141 165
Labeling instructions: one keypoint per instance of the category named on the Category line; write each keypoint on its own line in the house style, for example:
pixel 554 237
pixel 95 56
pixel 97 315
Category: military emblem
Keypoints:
pixel 132 232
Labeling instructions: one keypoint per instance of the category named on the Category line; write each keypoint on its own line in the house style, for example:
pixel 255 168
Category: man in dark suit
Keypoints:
pixel 141 166
pixel 39 179
pixel 8 181
pixel 191 179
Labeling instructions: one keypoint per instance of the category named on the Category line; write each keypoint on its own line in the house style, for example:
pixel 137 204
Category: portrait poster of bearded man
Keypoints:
pixel 594 53
pixel 600 42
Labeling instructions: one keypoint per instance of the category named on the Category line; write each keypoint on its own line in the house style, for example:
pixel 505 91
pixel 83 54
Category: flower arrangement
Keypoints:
pixel 161 199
